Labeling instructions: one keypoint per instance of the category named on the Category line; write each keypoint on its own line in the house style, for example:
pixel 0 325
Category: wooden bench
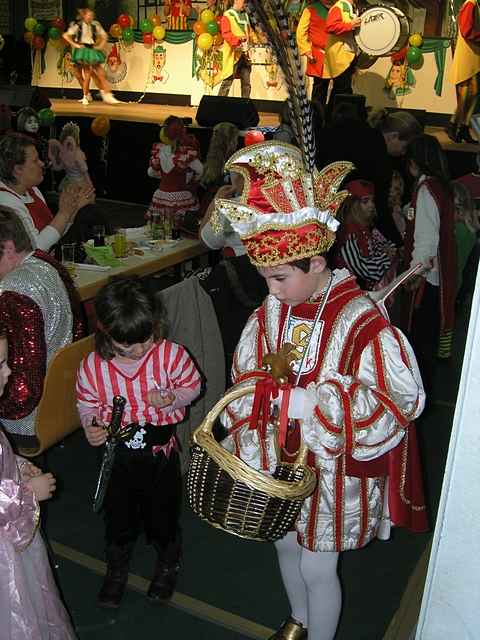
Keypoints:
pixel 57 414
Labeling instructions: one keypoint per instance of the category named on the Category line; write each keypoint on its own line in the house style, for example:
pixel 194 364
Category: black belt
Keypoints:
pixel 149 435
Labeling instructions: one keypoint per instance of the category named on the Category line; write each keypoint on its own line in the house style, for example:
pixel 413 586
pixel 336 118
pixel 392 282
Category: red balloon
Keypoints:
pixel 123 20
pixel 59 24
pixel 148 38
pixel 38 42
pixel 253 137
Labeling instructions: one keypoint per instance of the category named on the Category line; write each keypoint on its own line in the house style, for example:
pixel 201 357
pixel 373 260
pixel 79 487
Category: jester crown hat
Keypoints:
pixel 285 212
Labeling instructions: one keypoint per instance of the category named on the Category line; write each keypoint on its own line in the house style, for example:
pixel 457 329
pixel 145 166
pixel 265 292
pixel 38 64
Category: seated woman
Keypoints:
pixel 40 312
pixel 21 170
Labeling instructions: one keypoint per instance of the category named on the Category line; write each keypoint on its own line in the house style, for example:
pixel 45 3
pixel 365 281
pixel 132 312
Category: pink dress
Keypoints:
pixel 30 605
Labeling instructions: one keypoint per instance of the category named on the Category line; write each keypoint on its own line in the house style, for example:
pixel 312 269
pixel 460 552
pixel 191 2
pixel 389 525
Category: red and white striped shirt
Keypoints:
pixel 166 366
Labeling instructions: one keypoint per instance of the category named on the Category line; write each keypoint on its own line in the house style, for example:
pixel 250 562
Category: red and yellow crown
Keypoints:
pixel 284 213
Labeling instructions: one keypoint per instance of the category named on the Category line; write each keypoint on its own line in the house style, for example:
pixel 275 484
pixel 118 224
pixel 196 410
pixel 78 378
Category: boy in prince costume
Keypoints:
pixel 356 385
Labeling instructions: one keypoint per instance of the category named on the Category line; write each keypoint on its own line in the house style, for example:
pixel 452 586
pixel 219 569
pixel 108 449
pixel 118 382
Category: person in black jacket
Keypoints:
pixel 374 150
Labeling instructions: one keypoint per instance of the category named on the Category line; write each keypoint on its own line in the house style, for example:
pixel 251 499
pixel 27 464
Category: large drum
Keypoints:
pixel 382 30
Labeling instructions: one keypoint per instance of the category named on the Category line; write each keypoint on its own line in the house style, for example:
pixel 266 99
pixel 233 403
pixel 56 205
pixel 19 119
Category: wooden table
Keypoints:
pixel 172 254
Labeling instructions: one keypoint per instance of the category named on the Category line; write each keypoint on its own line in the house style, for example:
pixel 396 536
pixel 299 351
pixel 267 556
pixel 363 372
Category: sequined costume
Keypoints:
pixel 36 316
pixel 363 381
pixel 30 606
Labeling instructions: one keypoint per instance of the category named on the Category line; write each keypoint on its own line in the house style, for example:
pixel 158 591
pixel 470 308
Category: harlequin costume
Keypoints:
pixel 341 48
pixel 235 26
pixel 465 69
pixel 40 312
pixel 356 379
pixel 311 40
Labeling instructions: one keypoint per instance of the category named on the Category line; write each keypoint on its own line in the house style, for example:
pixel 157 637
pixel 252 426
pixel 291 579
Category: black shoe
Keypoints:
pixel 453 133
pixel 464 134
pixel 163 584
pixel 116 578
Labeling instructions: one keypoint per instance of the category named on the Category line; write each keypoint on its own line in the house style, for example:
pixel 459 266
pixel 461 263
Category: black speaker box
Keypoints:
pixel 17 95
pixel 239 111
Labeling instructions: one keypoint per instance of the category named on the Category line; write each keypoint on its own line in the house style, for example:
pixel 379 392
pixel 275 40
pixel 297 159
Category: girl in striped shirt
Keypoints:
pixel 360 247
pixel 159 380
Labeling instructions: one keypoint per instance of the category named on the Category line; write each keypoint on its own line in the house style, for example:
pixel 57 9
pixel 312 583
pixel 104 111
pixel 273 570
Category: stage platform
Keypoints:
pixel 156 114
pixel 138 112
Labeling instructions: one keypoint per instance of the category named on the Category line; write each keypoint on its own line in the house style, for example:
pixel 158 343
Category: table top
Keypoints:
pixel 170 254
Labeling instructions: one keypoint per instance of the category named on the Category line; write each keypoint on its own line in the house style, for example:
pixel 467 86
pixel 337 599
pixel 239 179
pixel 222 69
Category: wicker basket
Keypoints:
pixel 230 495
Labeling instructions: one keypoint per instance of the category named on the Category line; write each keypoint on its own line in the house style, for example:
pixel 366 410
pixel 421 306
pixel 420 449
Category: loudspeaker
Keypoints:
pixel 17 95
pixel 239 111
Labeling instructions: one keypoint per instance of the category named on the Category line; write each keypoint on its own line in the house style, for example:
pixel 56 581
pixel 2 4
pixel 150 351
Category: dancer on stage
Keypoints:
pixel 340 51
pixel 87 38
pixel 237 36
pixel 176 13
pixel 465 71
pixel 311 41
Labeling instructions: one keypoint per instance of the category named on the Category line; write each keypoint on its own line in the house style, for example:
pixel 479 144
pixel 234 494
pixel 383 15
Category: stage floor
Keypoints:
pixel 138 112
pixel 156 113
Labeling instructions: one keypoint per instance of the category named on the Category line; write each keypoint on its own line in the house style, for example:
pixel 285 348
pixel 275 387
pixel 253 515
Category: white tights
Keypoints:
pixel 312 586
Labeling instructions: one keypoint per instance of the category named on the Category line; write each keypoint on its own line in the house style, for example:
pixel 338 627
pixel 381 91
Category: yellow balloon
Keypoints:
pixel 30 23
pixel 205 41
pixel 132 21
pixel 159 33
pixel 416 40
pixel 207 16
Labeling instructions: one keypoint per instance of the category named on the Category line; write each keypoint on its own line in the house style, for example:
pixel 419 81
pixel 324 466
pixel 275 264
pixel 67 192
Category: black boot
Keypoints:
pixel 464 134
pixel 116 578
pixel 166 571
pixel 453 132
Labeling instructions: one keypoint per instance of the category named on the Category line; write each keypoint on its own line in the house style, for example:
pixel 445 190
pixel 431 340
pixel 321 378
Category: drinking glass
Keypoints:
pixel 98 235
pixel 68 258
pixel 119 244
pixel 156 226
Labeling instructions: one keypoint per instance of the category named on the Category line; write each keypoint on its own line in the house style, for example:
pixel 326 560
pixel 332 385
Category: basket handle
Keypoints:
pixel 235 393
